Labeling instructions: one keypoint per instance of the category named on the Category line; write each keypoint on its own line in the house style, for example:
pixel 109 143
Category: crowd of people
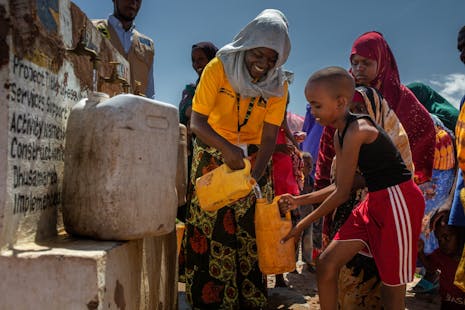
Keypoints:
pixel 383 202
pixel 376 188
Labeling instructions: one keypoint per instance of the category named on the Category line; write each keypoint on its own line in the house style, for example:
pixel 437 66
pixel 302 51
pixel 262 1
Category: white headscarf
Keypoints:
pixel 269 29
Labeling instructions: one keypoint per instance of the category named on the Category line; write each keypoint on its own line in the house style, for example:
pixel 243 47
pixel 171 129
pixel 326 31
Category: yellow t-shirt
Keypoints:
pixel 216 98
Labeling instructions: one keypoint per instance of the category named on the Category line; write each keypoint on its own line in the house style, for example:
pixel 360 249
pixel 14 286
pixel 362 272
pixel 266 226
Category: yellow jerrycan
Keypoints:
pixel 270 228
pixel 223 186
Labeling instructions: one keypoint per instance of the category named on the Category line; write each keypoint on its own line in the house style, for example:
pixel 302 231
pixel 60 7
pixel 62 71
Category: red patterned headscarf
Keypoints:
pixel 414 117
pixel 373 46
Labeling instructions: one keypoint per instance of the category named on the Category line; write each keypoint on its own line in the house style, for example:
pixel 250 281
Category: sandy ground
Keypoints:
pixel 301 293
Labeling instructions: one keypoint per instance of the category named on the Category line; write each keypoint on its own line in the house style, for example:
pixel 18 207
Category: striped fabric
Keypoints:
pixel 384 116
pixel 404 233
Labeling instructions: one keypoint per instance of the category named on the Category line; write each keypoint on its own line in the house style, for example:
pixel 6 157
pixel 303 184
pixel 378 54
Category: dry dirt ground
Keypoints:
pixel 301 293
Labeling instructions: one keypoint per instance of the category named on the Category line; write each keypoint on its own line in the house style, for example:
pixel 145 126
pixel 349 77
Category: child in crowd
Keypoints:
pixel 387 222
pixel 359 281
pixel 445 259
pixel 284 179
pixel 304 210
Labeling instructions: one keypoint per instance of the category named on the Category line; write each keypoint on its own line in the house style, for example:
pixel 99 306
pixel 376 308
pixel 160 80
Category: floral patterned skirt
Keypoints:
pixel 219 256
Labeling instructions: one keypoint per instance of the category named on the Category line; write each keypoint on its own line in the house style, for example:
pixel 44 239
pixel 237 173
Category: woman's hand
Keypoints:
pixel 233 157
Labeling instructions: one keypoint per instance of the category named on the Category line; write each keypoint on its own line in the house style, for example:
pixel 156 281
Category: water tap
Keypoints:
pixel 137 90
pixel 82 49
pixel 115 78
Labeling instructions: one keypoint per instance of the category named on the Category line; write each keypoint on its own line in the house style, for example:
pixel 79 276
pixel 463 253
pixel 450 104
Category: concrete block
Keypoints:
pixel 71 274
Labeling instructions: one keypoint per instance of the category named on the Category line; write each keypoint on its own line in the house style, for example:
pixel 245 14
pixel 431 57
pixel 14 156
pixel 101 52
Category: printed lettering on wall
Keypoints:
pixel 39 105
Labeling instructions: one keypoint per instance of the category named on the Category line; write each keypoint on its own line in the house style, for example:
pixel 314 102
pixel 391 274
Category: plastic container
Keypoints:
pixel 181 170
pixel 120 168
pixel 270 228
pixel 222 186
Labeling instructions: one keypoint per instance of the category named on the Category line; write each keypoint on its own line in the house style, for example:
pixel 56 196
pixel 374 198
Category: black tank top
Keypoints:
pixel 380 161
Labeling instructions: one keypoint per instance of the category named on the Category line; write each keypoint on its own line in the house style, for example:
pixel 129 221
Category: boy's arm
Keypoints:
pixel 289 202
pixel 345 171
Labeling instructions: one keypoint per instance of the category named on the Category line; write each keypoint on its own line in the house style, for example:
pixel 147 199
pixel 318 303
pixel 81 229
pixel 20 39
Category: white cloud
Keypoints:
pixel 451 87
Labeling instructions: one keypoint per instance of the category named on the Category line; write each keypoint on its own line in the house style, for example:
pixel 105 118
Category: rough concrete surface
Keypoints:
pixel 71 274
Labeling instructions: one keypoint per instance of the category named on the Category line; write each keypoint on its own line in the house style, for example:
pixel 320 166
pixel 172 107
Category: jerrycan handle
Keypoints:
pixel 288 213
pixel 246 169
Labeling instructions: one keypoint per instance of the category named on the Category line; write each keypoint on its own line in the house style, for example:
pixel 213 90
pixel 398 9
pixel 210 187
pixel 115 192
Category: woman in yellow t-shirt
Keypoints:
pixel 237 109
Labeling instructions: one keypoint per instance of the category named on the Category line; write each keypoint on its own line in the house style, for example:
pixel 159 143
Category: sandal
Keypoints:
pixel 425 286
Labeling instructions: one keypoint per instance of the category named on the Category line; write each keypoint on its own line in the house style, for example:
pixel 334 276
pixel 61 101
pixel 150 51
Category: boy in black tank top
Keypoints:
pixel 386 224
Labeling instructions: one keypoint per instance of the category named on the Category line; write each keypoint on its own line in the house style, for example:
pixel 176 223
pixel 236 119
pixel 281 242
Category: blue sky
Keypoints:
pixel 421 33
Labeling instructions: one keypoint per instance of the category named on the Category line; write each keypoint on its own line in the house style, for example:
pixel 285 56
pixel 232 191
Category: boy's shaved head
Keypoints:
pixel 336 79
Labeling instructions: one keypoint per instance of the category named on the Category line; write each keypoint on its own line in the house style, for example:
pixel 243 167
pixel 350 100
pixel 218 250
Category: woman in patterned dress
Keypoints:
pixel 237 109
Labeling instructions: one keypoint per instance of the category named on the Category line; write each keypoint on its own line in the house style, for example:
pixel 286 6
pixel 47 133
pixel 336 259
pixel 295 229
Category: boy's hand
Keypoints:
pixel 294 233
pixel 286 203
